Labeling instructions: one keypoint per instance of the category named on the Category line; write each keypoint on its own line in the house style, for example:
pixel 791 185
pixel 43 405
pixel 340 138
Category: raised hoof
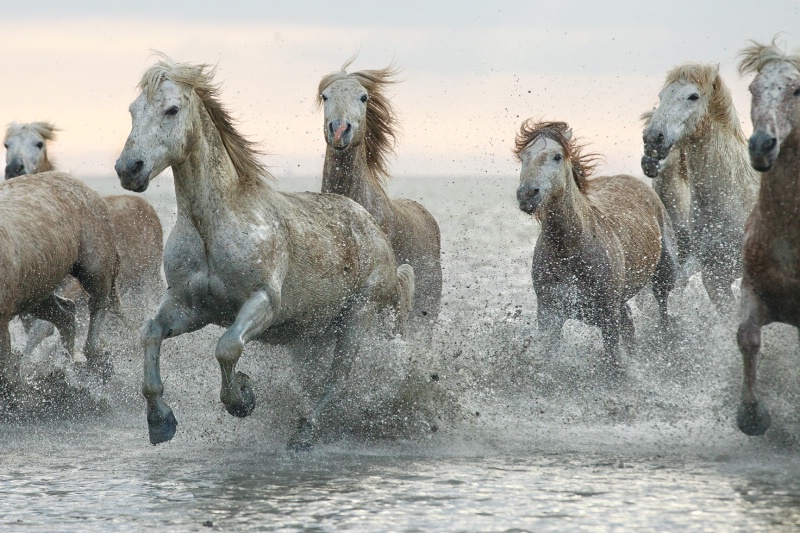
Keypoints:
pixel 302 440
pixel 247 398
pixel 162 428
pixel 753 419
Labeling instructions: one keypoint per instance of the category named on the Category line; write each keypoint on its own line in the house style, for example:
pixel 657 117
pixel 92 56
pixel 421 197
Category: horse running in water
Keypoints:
pixel 137 230
pixel 52 226
pixel 264 264
pixel 771 281
pixel 602 239
pixel 359 128
pixel 696 119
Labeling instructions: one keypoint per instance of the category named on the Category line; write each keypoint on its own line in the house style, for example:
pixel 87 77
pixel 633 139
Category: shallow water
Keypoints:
pixel 478 431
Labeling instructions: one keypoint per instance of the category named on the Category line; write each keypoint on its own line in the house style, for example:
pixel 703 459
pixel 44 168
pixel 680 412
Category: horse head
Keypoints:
pixel 161 130
pixel 693 95
pixel 26 148
pixel 774 110
pixel 549 157
pixel 345 110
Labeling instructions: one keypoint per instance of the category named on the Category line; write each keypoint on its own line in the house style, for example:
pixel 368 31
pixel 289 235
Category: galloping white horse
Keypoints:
pixel 696 117
pixel 771 281
pixel 267 265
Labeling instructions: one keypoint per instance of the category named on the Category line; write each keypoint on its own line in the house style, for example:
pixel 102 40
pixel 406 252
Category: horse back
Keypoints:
pixel 51 225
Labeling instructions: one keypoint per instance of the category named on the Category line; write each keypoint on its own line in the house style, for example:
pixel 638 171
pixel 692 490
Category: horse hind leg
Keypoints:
pixel 752 417
pixel 36 330
pixel 627 332
pixel 405 277
pixel 59 312
pixel 9 362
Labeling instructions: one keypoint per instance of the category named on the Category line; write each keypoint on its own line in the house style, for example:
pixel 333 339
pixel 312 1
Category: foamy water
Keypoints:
pixel 480 430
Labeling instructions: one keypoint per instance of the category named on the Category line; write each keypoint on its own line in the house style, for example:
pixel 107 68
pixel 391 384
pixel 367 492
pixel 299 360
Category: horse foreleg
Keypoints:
pixel 253 318
pixel 171 320
pixel 60 312
pixel 610 325
pixel 718 287
pixel 752 417
pixel 626 330
pixel 550 324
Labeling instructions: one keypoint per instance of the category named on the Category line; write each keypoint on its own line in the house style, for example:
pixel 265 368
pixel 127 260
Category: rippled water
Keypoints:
pixel 478 431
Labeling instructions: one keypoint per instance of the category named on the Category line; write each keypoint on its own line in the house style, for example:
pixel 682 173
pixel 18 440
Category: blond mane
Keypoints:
pixel 381 119
pixel 45 130
pixel 200 78
pixel 583 165
pixel 757 55
pixel 708 80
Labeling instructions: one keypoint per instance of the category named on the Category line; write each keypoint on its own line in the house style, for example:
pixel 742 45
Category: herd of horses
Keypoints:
pixel 348 264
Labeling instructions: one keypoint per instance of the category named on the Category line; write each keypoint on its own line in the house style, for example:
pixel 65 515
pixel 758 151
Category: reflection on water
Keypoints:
pixel 524 440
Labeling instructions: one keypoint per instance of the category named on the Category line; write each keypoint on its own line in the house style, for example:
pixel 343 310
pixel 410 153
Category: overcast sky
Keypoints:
pixel 471 70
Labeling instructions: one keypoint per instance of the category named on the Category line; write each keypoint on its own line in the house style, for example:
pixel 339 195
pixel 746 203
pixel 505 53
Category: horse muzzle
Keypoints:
pixel 132 174
pixel 764 149
pixel 15 168
pixel 339 134
pixel 529 199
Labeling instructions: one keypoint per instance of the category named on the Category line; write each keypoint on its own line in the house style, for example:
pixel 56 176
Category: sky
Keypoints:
pixel 470 71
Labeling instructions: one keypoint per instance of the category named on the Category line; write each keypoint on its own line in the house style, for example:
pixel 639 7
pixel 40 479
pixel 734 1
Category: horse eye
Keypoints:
pixel 324 98
pixel 172 111
pixel 364 98
pixel 797 92
pixel 557 157
pixel 40 145
pixel 6 145
pixel 694 96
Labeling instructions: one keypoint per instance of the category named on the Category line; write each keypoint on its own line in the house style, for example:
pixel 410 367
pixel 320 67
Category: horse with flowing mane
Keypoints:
pixel 359 127
pixel 602 239
pixel 771 281
pixel 135 225
pixel 696 118
pixel 264 264
pixel 52 226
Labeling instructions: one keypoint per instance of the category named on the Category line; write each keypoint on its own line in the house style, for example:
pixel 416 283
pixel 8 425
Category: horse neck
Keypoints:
pixel 347 173
pixel 206 183
pixel 45 165
pixel 713 154
pixel 565 218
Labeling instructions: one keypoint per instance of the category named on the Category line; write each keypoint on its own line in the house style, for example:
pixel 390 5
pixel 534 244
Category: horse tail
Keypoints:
pixel 405 276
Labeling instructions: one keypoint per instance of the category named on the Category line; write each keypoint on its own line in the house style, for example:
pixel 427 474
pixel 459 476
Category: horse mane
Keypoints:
pixel 45 130
pixel 583 165
pixel 757 55
pixel 381 122
pixel 200 78
pixel 708 80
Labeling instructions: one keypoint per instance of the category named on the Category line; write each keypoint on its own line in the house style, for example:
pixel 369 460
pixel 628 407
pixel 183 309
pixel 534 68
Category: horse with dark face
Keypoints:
pixel 602 239
pixel 771 281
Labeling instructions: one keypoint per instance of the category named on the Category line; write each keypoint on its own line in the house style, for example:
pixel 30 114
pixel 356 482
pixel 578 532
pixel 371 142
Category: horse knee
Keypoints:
pixel 229 349
pixel 748 336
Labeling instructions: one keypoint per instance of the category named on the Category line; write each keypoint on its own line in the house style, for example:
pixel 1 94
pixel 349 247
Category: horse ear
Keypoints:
pixel 568 134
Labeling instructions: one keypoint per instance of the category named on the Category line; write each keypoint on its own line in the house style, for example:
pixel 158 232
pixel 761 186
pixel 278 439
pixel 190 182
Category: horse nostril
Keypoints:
pixel 136 167
pixel 330 127
pixel 535 192
pixel 770 144
pixel 348 128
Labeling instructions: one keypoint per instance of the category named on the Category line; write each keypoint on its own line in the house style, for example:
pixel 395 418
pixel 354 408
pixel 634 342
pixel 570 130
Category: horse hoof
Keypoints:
pixel 162 428
pixel 247 398
pixel 753 419
pixel 302 440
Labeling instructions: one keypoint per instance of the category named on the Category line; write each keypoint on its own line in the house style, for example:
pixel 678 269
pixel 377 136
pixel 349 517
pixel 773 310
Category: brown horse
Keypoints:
pixel 771 281
pixel 52 226
pixel 602 240
pixel 135 224
pixel 359 126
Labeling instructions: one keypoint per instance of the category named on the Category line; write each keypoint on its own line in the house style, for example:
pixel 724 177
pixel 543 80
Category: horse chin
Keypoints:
pixel 650 166
pixel 762 163
pixel 529 207
pixel 137 184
